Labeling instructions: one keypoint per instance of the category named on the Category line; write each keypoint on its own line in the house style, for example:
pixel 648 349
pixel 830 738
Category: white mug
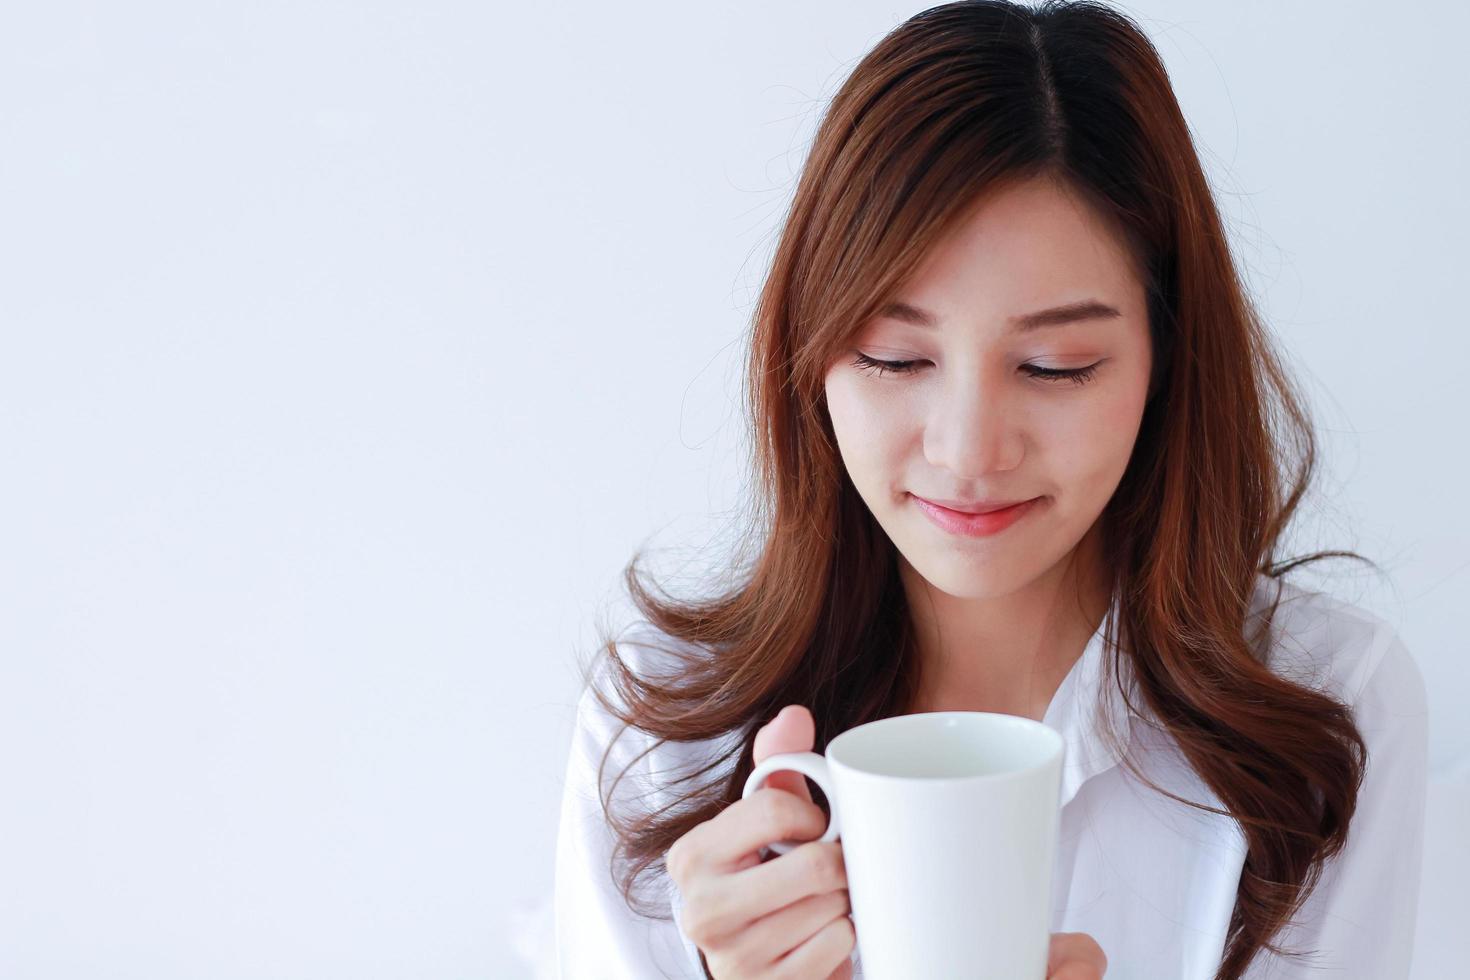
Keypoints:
pixel 948 822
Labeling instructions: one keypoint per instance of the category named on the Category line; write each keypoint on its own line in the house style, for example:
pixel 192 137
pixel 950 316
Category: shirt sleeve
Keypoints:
pixel 1360 918
pixel 598 936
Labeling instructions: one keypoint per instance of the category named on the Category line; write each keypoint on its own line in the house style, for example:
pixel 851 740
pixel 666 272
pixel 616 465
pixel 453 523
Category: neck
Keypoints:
pixel 1007 653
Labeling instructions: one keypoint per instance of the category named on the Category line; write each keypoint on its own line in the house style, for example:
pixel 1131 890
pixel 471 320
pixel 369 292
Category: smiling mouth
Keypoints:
pixel 977 507
pixel 975 525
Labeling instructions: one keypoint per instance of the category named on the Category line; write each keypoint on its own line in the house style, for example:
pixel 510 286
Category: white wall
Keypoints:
pixel 348 350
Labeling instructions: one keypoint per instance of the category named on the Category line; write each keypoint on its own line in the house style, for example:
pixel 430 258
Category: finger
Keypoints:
pixel 793 730
pixel 810 869
pixel 749 824
pixel 729 903
pixel 843 971
pixel 787 928
pixel 1075 956
pixel 1076 970
pixel 821 954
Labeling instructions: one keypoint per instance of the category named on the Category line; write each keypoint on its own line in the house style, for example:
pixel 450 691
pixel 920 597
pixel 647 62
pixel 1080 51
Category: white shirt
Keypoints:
pixel 1153 881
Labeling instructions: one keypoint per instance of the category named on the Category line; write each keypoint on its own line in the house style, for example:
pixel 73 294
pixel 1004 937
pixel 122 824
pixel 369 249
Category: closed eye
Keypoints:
pixel 1078 376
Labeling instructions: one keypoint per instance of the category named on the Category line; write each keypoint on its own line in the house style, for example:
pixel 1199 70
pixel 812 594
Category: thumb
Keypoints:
pixel 793 730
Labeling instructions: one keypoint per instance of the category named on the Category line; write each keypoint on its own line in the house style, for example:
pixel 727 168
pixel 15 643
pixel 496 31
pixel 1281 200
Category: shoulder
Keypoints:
pixel 1323 641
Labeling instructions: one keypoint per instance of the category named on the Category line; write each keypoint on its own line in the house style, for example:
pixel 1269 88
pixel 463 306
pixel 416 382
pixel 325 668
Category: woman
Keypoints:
pixel 1022 446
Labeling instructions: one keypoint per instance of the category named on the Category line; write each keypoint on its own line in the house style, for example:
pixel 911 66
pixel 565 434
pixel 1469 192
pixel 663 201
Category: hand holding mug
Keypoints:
pixel 948 824
pixel 783 918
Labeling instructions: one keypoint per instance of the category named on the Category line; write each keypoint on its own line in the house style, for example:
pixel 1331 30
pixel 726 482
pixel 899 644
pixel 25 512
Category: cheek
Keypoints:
pixel 871 432
pixel 1088 442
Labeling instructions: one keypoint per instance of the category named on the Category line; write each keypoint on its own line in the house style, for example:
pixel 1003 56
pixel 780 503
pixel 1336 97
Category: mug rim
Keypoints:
pixel 989 718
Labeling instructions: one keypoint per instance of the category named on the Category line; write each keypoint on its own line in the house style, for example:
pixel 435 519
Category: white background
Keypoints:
pixel 347 351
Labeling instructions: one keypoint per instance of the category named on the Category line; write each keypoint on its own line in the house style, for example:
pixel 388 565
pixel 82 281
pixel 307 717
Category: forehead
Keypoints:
pixel 1024 247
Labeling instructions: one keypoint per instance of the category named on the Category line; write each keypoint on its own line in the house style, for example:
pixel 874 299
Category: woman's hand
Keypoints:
pixel 781 919
pixel 1075 956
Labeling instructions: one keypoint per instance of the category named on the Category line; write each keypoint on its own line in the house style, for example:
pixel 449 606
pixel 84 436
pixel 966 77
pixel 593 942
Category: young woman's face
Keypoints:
pixel 981 413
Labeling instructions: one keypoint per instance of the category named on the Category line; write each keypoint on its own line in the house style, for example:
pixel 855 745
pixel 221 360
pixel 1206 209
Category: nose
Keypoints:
pixel 974 428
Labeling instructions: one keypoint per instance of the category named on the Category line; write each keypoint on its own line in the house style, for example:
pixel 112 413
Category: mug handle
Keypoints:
pixel 808 764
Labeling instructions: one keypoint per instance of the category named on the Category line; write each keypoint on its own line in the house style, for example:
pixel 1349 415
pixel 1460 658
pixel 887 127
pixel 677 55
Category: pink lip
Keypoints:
pixel 974 525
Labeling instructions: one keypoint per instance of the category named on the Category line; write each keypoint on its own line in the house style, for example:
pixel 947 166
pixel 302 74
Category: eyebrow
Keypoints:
pixel 1088 309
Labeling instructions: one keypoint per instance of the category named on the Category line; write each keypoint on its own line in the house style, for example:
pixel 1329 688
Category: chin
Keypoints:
pixel 972 578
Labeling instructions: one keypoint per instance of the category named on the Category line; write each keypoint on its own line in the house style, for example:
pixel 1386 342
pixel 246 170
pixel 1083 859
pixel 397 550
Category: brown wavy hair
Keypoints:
pixel 952 103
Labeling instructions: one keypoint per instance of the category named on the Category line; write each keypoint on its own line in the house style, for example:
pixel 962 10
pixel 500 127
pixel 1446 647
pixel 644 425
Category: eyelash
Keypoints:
pixel 1075 375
